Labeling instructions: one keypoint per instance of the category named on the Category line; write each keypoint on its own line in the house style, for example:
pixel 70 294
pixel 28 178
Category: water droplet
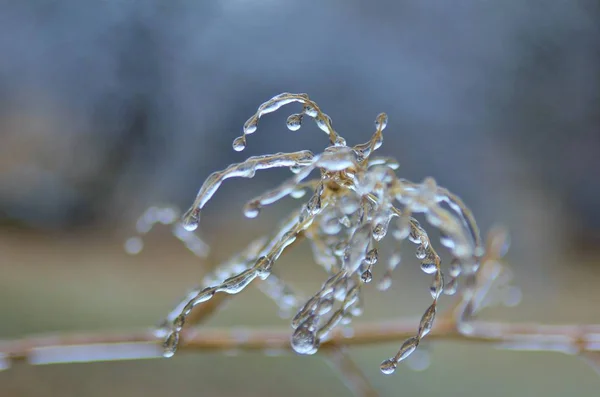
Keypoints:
pixel 339 141
pixel 407 348
pixel 239 143
pixel 388 366
pixel 385 283
pixel 394 260
pixel 366 276
pixel 309 110
pixel 294 122
pixel 357 311
pixel 381 121
pixel 170 344
pixel 179 322
pixel 325 306
pixel 427 320
pixel 263 267
pixel 428 267
pixel 134 245
pixel 304 341
pixel 421 252
pixel 372 257
pixel 251 125
pixel 296 168
pixel 191 219
pixel 238 282
pixel 322 120
pixel 298 193
pixel 437 286
pixel 252 209
pixel 340 290
pixel 379 231
pixel 451 287
pixel 455 268
pixel 346 319
pixel 446 241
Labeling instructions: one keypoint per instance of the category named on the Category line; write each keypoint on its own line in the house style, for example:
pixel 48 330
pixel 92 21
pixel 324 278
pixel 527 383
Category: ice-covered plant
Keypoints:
pixel 355 201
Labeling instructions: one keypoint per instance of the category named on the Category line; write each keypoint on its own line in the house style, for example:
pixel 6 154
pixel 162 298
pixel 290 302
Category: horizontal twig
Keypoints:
pixel 143 344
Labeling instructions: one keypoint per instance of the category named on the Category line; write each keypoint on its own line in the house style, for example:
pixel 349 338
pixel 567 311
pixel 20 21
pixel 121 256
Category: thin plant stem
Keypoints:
pixel 143 343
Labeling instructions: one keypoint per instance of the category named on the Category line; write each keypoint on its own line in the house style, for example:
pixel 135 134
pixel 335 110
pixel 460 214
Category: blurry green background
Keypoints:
pixel 109 107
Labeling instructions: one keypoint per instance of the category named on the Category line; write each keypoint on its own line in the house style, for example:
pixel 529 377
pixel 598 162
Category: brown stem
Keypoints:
pixel 140 344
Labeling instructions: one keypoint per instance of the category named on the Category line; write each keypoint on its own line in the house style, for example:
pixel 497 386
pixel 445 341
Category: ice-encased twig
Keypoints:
pixel 246 169
pixel 348 214
pixel 261 268
pixel 165 216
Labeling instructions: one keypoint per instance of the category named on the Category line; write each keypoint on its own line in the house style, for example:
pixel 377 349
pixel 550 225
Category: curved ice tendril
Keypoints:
pixel 356 200
pixel 165 216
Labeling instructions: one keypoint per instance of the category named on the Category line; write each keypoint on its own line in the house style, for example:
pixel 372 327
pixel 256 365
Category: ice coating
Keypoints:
pixel 356 200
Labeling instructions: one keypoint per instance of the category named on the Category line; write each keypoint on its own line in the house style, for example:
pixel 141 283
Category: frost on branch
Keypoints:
pixel 355 200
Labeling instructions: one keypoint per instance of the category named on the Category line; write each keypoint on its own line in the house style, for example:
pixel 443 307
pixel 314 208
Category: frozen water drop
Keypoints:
pixel 451 287
pixel 346 319
pixel 381 121
pixel 263 267
pixel 134 245
pixel 385 283
pixel 366 276
pixel 191 219
pixel 252 209
pixel 304 341
pixel 379 231
pixel 339 141
pixel 251 125
pixel 170 344
pixel 296 168
pixel 388 366
pixel 294 122
pixel 298 193
pixel 437 286
pixel 455 268
pixel 239 143
pixel 323 122
pixel 325 306
pixel 407 348
pixel 427 320
pixel 421 252
pixel 372 257
pixel 356 311
pixel 428 267
pixel 395 260
pixel 179 322
pixel 310 110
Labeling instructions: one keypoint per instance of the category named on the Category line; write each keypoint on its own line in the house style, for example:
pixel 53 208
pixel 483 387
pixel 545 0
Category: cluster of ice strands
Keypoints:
pixel 355 201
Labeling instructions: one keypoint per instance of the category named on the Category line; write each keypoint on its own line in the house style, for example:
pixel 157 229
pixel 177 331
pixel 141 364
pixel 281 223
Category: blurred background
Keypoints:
pixel 108 107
